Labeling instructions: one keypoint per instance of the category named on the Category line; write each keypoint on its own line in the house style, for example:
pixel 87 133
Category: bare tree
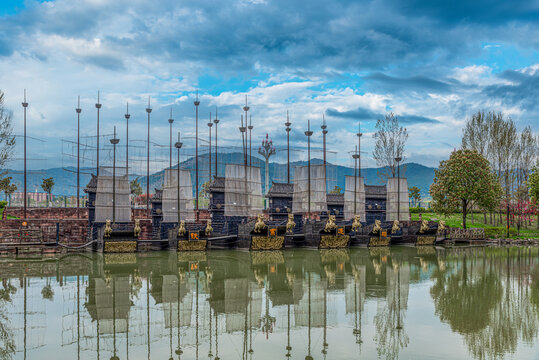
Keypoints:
pixel 7 140
pixel 475 135
pixel 390 142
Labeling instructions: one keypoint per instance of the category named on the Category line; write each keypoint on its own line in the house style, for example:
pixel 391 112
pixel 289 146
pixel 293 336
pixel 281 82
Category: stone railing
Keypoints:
pixel 467 234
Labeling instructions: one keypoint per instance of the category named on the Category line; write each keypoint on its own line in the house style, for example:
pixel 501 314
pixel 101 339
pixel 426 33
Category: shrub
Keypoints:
pixel 499 232
pixel 414 210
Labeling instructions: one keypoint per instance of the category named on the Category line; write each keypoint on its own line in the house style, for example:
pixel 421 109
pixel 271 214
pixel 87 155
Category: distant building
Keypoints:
pixel 35 196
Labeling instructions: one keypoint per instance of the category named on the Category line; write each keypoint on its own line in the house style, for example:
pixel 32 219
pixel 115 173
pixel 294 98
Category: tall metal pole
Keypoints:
pixel 356 158
pixel 24 106
pixel 309 133
pixel 170 121
pixel 127 116
pixel 114 141
pixel 209 152
pixel 324 133
pixel 148 110
pixel 250 127
pixel 98 107
pixel 398 159
pixel 243 130
pixel 287 124
pixel 266 150
pixel 359 134
pixel 246 109
pixel 216 121
pixel 197 103
pixel 178 145
pixel 78 110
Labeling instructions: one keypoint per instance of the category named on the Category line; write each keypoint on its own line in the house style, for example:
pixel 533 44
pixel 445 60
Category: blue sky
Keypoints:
pixel 433 63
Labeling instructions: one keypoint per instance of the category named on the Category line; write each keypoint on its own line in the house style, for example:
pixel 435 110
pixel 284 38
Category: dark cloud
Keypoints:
pixel 490 12
pixel 282 35
pixel 359 114
pixel 410 83
pixel 523 92
pixel 368 115
pixel 105 62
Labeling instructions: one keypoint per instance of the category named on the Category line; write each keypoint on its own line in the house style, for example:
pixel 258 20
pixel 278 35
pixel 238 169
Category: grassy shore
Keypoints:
pixel 495 232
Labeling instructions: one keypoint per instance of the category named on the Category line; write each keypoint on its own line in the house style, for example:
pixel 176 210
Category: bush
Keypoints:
pixel 3 204
pixel 415 210
pixel 499 232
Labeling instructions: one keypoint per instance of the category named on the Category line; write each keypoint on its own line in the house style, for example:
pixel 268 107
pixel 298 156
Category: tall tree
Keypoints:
pixel 47 185
pixel 7 140
pixel 533 186
pixel 533 183
pixel 415 194
pixel 136 189
pixel 526 156
pixel 475 135
pixel 7 186
pixel 464 180
pixel 390 142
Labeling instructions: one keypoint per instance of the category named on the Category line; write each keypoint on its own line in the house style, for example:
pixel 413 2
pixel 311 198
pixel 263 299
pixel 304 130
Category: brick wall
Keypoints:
pixel 46 213
pixel 71 231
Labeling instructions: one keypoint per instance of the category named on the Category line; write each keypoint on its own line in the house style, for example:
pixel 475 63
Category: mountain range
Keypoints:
pixel 66 180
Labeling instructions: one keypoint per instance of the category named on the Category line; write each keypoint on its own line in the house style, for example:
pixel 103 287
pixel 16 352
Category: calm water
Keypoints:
pixel 406 303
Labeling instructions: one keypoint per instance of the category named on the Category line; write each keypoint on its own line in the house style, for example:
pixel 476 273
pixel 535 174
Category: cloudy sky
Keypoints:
pixel 433 63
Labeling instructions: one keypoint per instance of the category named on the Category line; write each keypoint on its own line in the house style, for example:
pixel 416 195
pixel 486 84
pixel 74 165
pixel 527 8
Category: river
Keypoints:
pixel 387 303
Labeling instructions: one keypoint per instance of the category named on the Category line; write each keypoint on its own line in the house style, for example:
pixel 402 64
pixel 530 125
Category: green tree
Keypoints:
pixel 415 194
pixel 7 187
pixel 136 189
pixel 463 181
pixel 7 140
pixel 533 183
pixel 336 190
pixel 47 185
pixel 533 189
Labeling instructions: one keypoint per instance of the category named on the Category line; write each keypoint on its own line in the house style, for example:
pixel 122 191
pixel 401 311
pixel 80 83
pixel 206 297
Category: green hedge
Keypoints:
pixel 3 205
pixel 414 210
pixel 498 232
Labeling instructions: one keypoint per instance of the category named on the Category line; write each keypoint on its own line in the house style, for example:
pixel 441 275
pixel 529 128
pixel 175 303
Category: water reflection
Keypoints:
pixel 300 304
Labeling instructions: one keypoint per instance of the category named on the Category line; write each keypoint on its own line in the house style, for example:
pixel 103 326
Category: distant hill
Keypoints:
pixel 65 179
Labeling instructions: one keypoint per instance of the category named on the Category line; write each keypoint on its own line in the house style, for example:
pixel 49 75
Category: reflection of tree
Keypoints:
pixel 389 319
pixel 490 310
pixel 466 303
pixel 7 344
pixel 534 296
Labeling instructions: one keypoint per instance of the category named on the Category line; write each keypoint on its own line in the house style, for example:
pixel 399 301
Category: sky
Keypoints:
pixel 432 63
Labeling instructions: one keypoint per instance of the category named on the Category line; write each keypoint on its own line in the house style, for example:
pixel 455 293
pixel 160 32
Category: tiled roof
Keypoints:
pixel 218 184
pixel 335 199
pixel 92 185
pixel 280 190
pixel 158 196
pixel 377 191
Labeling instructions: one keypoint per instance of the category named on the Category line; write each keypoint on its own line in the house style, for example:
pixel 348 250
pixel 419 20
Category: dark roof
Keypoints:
pixel 218 184
pixel 92 185
pixel 335 199
pixel 376 191
pixel 280 190
pixel 158 196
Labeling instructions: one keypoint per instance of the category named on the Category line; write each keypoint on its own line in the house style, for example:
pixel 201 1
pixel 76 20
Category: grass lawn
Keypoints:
pixel 2 214
pixel 455 220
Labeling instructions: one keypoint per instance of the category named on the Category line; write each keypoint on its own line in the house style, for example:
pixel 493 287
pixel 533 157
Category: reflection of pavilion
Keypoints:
pixel 109 303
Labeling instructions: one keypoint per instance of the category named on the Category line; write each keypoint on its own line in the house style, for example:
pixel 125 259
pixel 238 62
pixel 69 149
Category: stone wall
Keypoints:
pixel 61 213
pixel 46 213
pixel 71 231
